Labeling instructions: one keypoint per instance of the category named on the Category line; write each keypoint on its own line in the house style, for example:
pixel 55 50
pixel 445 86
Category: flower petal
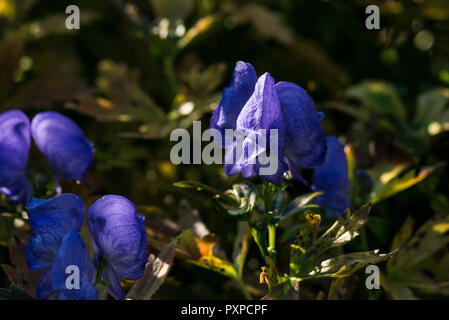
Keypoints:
pixel 44 287
pixel 234 97
pixel 64 145
pixel 119 235
pixel 332 178
pixel 57 215
pixel 305 142
pixel 20 192
pixel 72 260
pixel 51 220
pixel 115 289
pixel 14 151
pixel 263 112
pixel 40 250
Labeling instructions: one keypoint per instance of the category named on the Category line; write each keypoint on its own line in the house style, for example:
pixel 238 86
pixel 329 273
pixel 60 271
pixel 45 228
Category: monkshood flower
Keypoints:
pixel 51 245
pixel 73 254
pixel 14 150
pixel 120 241
pixel 250 104
pixel 64 145
pixel 332 178
pixel 62 142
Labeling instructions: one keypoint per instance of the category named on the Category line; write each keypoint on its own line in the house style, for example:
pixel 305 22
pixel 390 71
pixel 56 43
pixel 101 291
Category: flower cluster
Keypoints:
pixel 252 103
pixel 120 244
pixel 62 142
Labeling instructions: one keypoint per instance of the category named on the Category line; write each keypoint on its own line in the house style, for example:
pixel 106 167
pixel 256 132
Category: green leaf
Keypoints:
pixel 379 97
pixel 200 251
pixel 417 265
pixel 300 204
pixel 345 228
pixel 377 227
pixel 431 237
pixel 404 234
pixel 346 265
pixel 304 252
pixel 203 187
pixel 432 108
pixel 14 293
pixel 390 184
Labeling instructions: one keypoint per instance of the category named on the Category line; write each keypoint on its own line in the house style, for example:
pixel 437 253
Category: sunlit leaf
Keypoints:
pixel 345 265
pixel 389 184
pixel 156 270
pixel 305 251
pixel 201 26
pixel 199 251
pixel 203 187
pixel 416 266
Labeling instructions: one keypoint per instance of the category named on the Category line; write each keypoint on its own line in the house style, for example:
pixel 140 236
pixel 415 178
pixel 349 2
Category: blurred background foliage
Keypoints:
pixel 138 69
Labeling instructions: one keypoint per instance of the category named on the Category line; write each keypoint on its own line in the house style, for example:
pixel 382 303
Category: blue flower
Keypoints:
pixel 120 241
pixel 332 178
pixel 234 97
pixel 50 245
pixel 73 253
pixel 14 150
pixel 64 145
pixel 249 105
pixel 61 141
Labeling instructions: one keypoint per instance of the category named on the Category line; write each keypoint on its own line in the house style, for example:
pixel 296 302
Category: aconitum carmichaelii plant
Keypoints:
pixel 51 246
pixel 332 179
pixel 252 103
pixel 62 142
pixel 120 241
pixel 14 151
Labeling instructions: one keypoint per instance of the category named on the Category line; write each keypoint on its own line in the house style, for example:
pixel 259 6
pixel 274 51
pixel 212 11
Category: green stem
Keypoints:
pixel 364 239
pixel 244 288
pixel 101 265
pixel 272 238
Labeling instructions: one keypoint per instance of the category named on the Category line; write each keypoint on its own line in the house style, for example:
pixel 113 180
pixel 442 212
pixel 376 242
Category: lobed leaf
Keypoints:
pixel 200 251
pixel 346 265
